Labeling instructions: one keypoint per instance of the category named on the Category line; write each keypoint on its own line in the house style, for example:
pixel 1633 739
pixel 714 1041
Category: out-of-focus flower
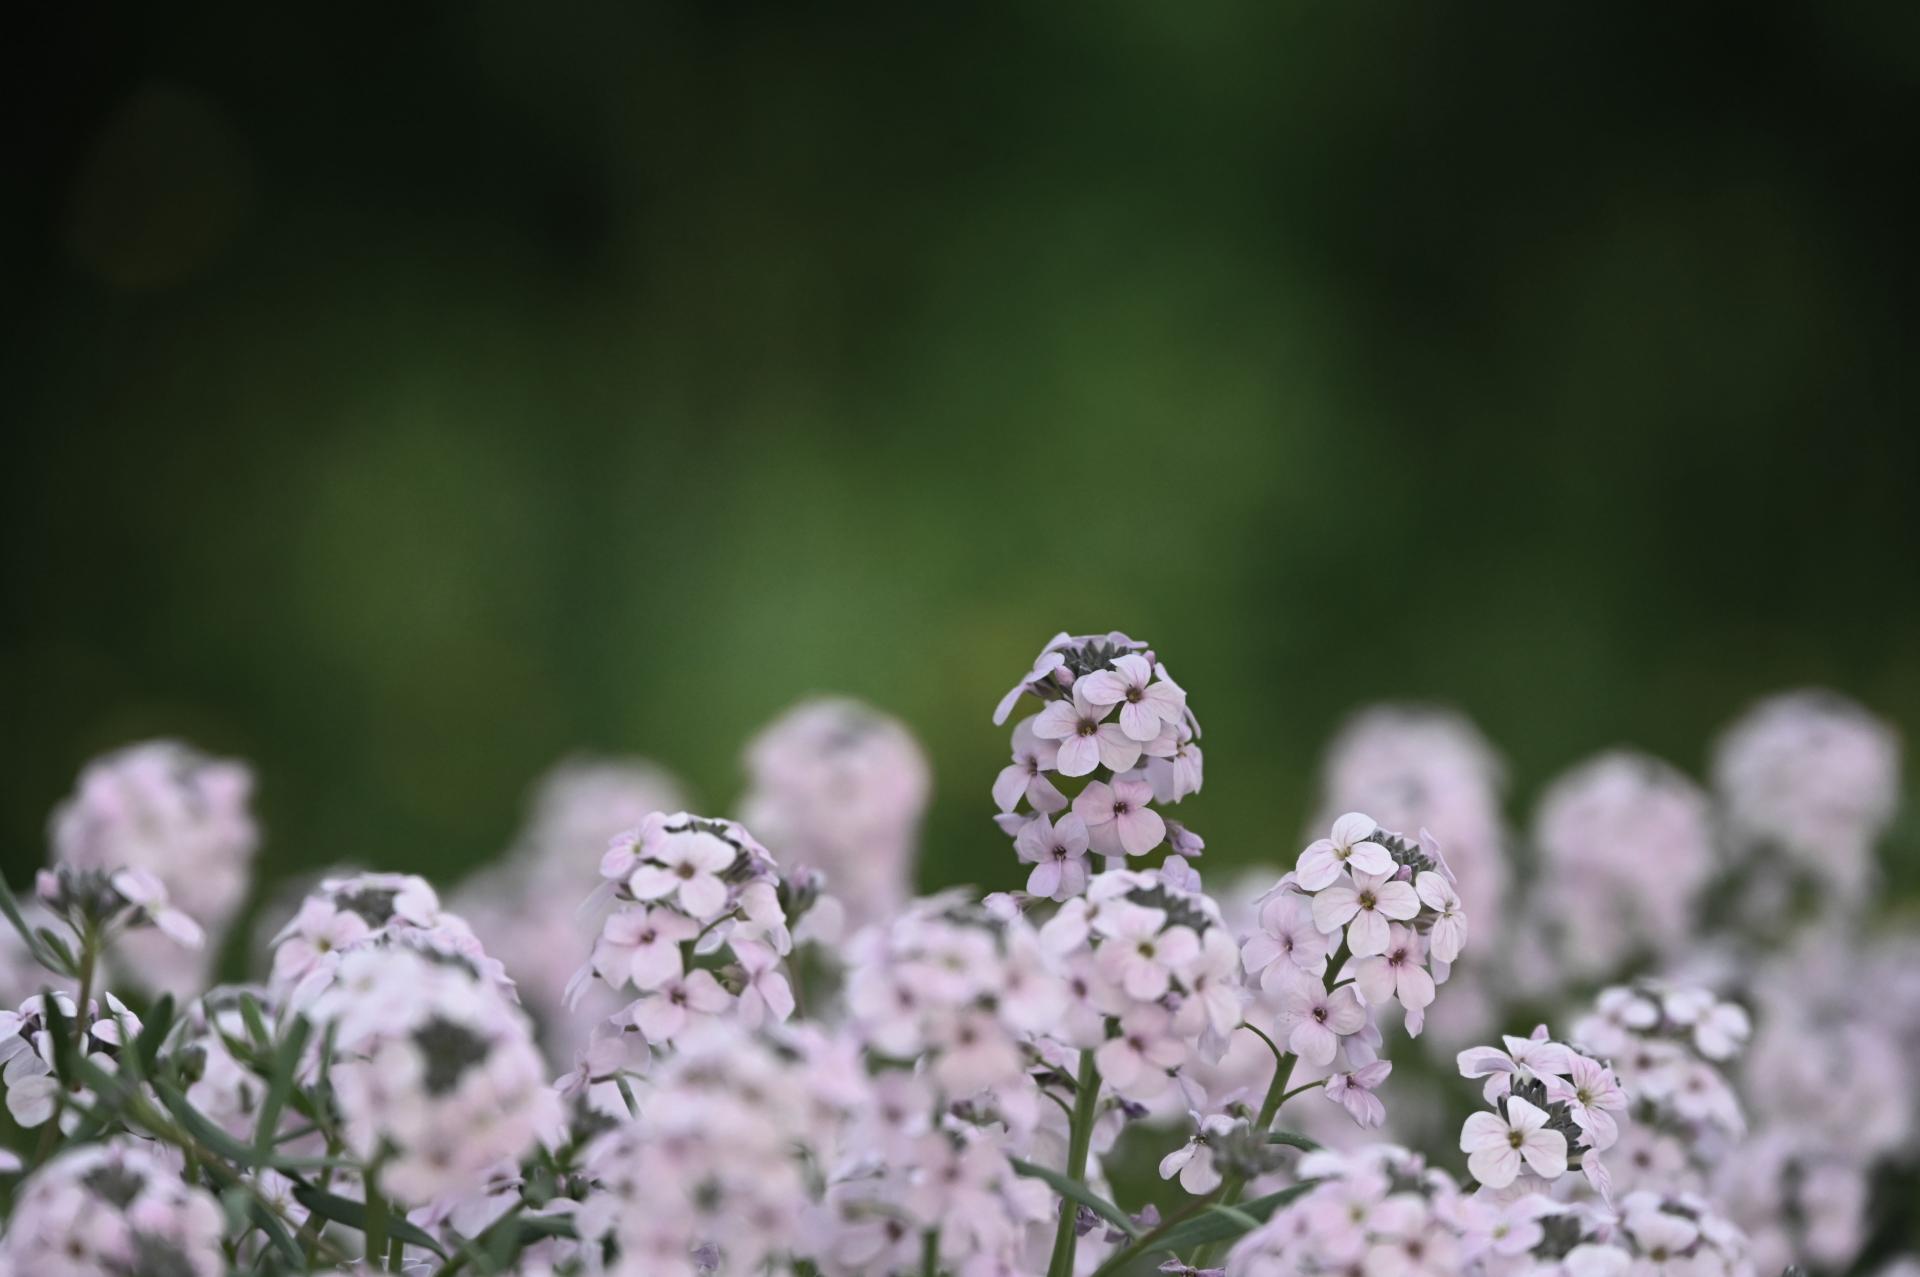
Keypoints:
pixel 1626 845
pixel 109 1210
pixel 1149 754
pixel 436 1072
pixel 164 809
pixel 525 908
pixel 835 785
pixel 1815 778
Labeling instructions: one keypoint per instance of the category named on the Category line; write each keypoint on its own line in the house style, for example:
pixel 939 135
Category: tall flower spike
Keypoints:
pixel 1114 732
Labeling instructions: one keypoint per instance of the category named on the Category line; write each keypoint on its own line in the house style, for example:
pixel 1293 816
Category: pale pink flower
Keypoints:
pixel 1449 934
pixel 1350 847
pixel 765 994
pixel 1025 777
pixel 1396 973
pixel 1213 987
pixel 1354 1092
pixel 1286 936
pixel 1136 1062
pixel 1137 955
pixel 1592 1095
pixel 1145 706
pixel 1315 1019
pixel 1085 741
pixel 1177 772
pixel 1057 850
pixel 642 946
pixel 1366 906
pixel 1525 1057
pixel 143 890
pixel 665 1012
pixel 1193 1161
pixel 1119 821
pixel 691 861
pixel 1044 667
pixel 1496 1146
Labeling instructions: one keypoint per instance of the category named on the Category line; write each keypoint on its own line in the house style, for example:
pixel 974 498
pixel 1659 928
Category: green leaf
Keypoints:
pixel 286 1061
pixel 60 1034
pixel 1222 1225
pixel 202 1129
pixel 153 1032
pixel 1074 1189
pixel 1240 1218
pixel 59 957
pixel 35 946
pixel 256 1023
pixel 1292 1139
pixel 238 1198
pixel 354 1215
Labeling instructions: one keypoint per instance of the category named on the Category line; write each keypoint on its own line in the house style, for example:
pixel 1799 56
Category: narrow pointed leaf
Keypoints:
pixel 286 1061
pixel 1221 1226
pixel 353 1214
pixel 153 1032
pixel 1078 1192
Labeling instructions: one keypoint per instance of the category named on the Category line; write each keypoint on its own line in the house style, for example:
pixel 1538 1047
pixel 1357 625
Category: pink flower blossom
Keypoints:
pixel 1025 777
pixel 691 861
pixel 1145 706
pixel 1496 1146
pixel 1118 819
pixel 1085 742
pixel 642 946
pixel 1286 937
pixel 1315 1019
pixel 1366 905
pixel 1354 1092
pixel 1057 850
pixel 1350 847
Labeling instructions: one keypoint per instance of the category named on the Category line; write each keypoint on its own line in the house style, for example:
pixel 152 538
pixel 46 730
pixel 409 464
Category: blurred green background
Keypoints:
pixel 404 398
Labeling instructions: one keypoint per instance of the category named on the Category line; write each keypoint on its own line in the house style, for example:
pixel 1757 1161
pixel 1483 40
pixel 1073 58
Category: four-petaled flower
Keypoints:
pixel 1145 706
pixel 1367 906
pixel 1085 741
pixel 1496 1146
pixel 691 861
pixel 1350 847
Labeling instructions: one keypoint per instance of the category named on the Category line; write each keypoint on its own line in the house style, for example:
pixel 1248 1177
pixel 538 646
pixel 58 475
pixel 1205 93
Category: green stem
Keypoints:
pixel 89 957
pixel 1086 1100
pixel 376 1220
pixel 1235 1182
pixel 396 1256
pixel 930 1253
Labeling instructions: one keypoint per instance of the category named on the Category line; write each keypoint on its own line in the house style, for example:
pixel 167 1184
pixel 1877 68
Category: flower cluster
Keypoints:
pixel 1668 1044
pixel 1380 914
pixel 1812 779
pixel 689 893
pixel 172 815
pixel 369 910
pixel 1626 846
pixel 1383 1210
pixel 110 1210
pixel 1553 1109
pixel 712 1176
pixel 437 1077
pixel 1116 722
pixel 962 992
pixel 957 1086
pixel 841 788
pixel 1829 1095
pixel 34 1094
pixel 1153 978
pixel 526 907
